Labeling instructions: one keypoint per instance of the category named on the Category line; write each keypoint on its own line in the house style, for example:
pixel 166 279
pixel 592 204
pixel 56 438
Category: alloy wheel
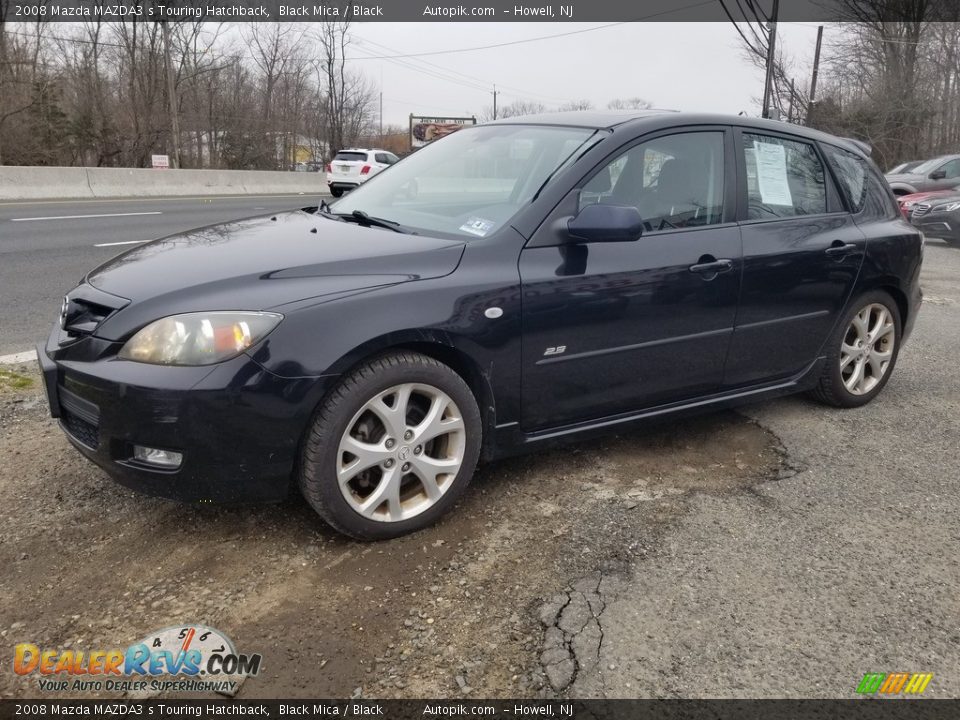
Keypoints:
pixel 867 349
pixel 401 452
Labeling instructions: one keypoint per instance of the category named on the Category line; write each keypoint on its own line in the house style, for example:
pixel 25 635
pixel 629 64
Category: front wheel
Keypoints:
pixel 862 352
pixel 392 447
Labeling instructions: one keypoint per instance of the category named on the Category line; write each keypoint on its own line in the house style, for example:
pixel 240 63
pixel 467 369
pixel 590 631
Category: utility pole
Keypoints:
pixel 494 101
pixel 792 93
pixel 381 117
pixel 771 57
pixel 816 71
pixel 172 94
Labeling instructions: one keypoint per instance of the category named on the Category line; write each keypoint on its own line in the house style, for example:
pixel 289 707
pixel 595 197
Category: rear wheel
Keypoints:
pixel 336 192
pixel 862 352
pixel 392 447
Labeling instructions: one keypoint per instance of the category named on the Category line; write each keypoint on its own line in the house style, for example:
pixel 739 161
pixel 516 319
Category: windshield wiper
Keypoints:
pixel 362 218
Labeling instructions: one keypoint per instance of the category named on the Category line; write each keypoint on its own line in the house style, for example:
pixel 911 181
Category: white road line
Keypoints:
pixel 17 358
pixel 168 198
pixel 78 217
pixel 125 242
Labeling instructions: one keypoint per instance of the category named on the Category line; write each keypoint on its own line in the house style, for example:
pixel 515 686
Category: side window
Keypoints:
pixel 391 158
pixel 866 191
pixel 851 171
pixel 952 169
pixel 784 178
pixel 382 159
pixel 675 181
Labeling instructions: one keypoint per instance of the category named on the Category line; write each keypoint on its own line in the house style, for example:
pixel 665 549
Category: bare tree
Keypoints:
pixel 576 105
pixel 633 103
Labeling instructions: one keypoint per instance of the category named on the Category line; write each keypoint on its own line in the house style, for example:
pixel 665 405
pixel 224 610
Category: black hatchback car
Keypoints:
pixel 512 285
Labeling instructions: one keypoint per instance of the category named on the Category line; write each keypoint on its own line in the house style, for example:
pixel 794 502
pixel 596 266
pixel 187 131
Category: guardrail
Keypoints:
pixel 47 183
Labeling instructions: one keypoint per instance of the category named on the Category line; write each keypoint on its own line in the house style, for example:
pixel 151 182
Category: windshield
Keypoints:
pixel 469 183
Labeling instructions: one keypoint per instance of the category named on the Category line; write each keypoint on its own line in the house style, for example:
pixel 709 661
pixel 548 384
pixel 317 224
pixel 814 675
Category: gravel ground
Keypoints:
pixel 798 588
pixel 780 552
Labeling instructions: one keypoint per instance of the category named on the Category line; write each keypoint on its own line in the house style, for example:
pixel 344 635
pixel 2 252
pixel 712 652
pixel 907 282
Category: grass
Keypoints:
pixel 10 380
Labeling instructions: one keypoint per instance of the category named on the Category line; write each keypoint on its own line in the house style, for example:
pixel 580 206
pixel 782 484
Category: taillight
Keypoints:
pixel 365 170
pixel 329 167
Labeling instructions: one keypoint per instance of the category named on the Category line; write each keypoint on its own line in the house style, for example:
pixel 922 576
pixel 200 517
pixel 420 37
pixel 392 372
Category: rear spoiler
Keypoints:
pixel 860 144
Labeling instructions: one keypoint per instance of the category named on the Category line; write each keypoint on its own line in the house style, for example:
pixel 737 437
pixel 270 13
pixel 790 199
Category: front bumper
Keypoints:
pixel 237 425
pixel 942 225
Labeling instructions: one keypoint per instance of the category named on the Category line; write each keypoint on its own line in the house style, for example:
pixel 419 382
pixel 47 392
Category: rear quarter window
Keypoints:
pixel 865 192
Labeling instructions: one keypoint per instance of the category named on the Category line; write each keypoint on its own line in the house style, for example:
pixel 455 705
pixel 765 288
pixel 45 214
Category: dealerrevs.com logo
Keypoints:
pixel 186 659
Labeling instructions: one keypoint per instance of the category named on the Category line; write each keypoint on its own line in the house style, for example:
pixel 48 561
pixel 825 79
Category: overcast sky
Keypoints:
pixel 682 66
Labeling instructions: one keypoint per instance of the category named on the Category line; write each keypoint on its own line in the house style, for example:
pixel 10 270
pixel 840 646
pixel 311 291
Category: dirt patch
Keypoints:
pixel 451 611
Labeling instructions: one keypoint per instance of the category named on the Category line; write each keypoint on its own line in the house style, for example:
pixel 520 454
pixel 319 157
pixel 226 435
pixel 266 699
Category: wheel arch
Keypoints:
pixel 891 286
pixel 442 347
pixel 899 189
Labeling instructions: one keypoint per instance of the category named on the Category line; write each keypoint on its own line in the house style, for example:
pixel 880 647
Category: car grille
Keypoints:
pixel 920 209
pixel 79 418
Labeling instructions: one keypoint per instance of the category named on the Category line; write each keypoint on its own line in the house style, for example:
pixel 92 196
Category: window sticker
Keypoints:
pixel 477 226
pixel 772 174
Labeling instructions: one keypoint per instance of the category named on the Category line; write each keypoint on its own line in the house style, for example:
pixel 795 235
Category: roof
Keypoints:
pixel 657 119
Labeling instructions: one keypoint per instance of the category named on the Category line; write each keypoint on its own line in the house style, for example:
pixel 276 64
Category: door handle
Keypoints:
pixel 840 250
pixel 711 267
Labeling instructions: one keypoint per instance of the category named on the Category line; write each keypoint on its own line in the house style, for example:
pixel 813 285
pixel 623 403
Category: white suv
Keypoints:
pixel 354 166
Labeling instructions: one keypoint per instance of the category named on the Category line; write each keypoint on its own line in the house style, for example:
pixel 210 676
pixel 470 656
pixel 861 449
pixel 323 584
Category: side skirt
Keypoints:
pixel 509 439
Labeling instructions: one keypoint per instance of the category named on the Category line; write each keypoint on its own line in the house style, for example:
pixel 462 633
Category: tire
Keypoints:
pixel 385 491
pixel 336 192
pixel 880 346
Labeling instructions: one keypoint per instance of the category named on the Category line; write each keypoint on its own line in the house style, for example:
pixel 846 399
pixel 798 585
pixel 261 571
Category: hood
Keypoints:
pixel 262 264
pixel 908 178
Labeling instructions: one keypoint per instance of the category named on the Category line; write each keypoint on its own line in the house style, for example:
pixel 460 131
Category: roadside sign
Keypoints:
pixel 424 130
pixel 161 162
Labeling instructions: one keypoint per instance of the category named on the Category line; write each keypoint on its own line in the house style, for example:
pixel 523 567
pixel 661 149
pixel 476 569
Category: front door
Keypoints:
pixel 613 327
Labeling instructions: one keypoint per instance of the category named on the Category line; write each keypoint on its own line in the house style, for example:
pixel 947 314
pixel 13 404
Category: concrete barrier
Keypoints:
pixel 48 183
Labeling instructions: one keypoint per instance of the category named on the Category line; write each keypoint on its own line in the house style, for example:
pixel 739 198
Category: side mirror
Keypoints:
pixel 938 174
pixel 606 223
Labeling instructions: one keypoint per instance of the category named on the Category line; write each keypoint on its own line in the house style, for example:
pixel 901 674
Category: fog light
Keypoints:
pixel 158 458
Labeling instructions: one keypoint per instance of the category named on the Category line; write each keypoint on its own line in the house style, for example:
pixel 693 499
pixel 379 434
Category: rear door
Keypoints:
pixel 801 255
pixel 614 327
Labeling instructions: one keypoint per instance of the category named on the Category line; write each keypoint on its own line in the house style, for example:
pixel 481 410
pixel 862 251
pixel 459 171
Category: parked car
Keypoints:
pixel 940 173
pixel 904 167
pixel 554 277
pixel 939 217
pixel 908 202
pixel 354 166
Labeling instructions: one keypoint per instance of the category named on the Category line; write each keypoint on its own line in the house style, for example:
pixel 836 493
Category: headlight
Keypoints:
pixel 950 207
pixel 198 338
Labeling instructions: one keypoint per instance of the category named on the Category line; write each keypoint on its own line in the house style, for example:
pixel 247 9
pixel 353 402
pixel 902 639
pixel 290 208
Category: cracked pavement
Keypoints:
pixel 846 564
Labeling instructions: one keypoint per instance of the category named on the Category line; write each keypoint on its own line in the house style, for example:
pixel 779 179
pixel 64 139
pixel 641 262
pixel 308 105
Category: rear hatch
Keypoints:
pixel 347 165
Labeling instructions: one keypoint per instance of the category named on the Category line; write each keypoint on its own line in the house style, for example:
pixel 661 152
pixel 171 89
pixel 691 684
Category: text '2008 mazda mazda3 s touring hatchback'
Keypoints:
pixel 510 286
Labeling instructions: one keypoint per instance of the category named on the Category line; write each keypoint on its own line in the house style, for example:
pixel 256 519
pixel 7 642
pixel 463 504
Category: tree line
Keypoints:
pixel 890 77
pixel 264 95
pixel 251 96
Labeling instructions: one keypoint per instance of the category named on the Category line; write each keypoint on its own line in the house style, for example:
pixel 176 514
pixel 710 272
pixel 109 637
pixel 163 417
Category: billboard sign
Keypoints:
pixel 424 130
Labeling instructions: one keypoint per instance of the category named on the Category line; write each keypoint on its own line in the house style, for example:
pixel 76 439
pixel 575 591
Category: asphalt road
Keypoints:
pixel 799 587
pixel 46 247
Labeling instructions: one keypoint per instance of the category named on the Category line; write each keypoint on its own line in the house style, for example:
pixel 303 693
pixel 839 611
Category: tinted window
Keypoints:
pixel 784 178
pixel 852 172
pixel 351 156
pixel 674 181
pixel 382 158
pixel 952 169
pixel 391 158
